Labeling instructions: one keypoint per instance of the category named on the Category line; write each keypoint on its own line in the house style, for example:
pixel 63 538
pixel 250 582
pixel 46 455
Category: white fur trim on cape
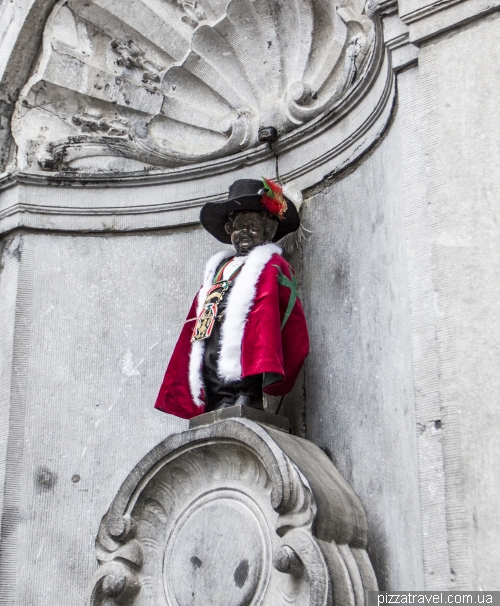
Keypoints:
pixel 239 303
pixel 198 347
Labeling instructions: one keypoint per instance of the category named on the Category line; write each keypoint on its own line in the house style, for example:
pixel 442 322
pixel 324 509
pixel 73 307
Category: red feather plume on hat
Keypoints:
pixel 273 199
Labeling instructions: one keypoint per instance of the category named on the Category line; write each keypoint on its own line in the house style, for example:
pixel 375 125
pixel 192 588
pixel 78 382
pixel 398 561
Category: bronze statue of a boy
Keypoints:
pixel 245 333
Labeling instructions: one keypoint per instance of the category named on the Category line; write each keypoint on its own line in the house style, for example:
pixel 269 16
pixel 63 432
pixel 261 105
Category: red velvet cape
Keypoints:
pixel 265 347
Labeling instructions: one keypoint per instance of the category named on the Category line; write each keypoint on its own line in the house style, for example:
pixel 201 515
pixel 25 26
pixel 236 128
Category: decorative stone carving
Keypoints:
pixel 233 513
pixel 195 80
pixel 193 12
pixel 132 56
pixel 93 121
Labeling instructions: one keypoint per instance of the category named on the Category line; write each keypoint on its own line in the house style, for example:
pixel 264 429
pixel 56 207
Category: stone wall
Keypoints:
pixel 461 134
pixel 359 384
pixel 96 321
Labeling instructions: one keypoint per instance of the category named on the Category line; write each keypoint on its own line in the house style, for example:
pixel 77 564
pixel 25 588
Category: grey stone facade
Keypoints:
pixel 399 281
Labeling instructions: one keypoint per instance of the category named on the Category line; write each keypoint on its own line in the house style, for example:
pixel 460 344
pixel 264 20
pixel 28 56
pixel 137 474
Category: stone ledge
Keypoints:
pixel 241 412
pixel 439 17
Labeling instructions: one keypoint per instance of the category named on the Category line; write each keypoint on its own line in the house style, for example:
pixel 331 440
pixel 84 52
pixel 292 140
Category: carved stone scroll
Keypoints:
pixel 193 80
pixel 236 514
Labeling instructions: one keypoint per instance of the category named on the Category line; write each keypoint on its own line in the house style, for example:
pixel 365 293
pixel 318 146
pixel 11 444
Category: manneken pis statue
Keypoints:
pixel 245 333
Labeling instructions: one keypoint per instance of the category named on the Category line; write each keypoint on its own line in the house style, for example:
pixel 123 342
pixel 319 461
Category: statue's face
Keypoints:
pixel 247 230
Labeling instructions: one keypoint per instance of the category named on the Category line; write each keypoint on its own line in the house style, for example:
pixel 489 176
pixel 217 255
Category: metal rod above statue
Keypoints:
pixel 245 333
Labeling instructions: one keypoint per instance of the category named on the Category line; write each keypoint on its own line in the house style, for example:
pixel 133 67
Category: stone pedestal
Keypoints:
pixel 235 513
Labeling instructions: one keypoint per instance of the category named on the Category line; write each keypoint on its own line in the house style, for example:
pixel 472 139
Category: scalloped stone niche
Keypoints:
pixel 237 514
pixel 127 85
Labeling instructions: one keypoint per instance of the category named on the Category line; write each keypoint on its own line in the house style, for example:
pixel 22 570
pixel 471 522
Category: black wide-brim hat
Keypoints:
pixel 244 194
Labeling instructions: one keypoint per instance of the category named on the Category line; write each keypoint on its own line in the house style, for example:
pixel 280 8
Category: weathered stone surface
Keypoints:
pixel 136 98
pixel 462 126
pixel 425 369
pixel 235 513
pixel 94 322
pixel 354 285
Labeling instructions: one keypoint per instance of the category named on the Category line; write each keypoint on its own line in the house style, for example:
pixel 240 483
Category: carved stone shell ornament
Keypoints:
pixel 135 84
pixel 233 514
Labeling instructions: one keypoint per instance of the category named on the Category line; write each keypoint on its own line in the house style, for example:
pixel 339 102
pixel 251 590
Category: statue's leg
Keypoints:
pixel 249 392
pixel 216 390
pixel 222 394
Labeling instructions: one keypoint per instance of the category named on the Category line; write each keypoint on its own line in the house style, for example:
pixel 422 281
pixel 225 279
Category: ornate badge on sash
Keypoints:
pixel 206 320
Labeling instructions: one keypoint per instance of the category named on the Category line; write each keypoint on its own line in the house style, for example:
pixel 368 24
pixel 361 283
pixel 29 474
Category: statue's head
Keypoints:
pixel 248 229
pixel 255 212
